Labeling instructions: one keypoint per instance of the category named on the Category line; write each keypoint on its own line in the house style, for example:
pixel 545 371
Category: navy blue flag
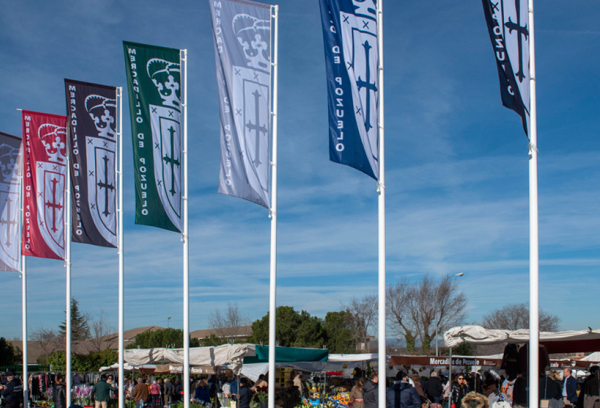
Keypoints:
pixel 352 60
pixel 507 22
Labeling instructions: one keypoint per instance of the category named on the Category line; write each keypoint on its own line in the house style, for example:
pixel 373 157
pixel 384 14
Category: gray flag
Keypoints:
pixel 10 202
pixel 242 35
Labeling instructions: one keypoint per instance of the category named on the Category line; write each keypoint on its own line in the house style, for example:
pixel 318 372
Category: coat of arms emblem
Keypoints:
pixel 359 29
pixel 10 169
pixel 251 97
pixel 100 155
pixel 50 185
pixel 166 135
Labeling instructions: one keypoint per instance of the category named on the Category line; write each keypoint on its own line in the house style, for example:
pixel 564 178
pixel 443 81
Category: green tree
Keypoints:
pixel 287 329
pixel 9 354
pixel 213 340
pixel 310 333
pixel 79 326
pixel 339 332
pixel 83 362
pixel 162 338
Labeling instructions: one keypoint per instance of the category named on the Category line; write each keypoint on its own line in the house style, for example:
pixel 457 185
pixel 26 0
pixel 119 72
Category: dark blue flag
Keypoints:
pixel 507 22
pixel 351 58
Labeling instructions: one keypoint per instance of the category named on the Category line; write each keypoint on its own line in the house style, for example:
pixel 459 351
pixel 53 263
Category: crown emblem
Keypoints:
pixel 365 8
pixel 166 76
pixel 9 164
pixel 255 37
pixel 102 111
pixel 54 139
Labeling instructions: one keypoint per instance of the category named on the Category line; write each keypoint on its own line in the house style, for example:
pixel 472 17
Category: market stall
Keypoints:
pixel 231 355
pixel 559 342
pixel 588 361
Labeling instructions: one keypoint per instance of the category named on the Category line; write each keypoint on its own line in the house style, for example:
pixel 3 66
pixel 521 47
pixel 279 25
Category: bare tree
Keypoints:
pixel 228 325
pixel 100 329
pixel 398 307
pixel 422 310
pixel 516 316
pixel 48 339
pixel 363 313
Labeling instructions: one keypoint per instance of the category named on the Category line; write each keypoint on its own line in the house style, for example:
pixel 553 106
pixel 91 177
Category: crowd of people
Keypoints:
pixel 490 390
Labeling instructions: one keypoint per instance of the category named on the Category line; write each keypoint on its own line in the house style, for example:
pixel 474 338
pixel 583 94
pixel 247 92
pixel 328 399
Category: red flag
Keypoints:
pixel 45 141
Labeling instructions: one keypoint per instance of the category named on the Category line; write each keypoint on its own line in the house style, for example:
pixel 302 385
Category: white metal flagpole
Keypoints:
pixel 186 242
pixel 24 305
pixel 381 360
pixel 120 249
pixel 273 215
pixel 68 270
pixel 24 296
pixel 533 227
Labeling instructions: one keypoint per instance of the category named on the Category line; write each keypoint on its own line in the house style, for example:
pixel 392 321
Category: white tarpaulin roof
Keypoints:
pixel 232 354
pixel 126 367
pixel 350 358
pixel 594 357
pixel 480 335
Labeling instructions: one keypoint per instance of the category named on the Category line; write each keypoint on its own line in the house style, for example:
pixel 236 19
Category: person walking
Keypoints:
pixel 12 391
pixel 434 388
pixel 245 395
pixel 590 388
pixel 569 388
pixel 459 390
pixel 370 391
pixel 417 384
pixel 59 396
pixel 356 395
pixel 402 394
pixel 140 393
pixel 101 392
pixel 298 382
pixel 169 390
pixel 550 389
pixel 155 391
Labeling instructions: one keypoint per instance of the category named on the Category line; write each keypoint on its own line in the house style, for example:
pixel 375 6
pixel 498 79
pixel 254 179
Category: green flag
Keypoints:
pixel 154 84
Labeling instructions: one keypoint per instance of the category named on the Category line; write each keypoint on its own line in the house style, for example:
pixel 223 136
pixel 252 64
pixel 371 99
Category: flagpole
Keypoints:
pixel 533 228
pixel 273 215
pixel 24 296
pixel 120 249
pixel 68 270
pixel 381 361
pixel 186 243
pixel 24 305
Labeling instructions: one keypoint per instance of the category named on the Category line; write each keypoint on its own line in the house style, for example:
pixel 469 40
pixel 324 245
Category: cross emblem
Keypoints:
pixel 369 86
pixel 106 186
pixel 8 221
pixel 53 204
pixel 257 127
pixel 522 31
pixel 172 161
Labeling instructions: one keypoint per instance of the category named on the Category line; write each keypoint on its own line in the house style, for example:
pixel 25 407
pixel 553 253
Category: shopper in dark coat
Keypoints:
pixel 370 391
pixel 434 388
pixel 59 395
pixel 12 391
pixel 402 394
pixel 245 395
pixel 459 390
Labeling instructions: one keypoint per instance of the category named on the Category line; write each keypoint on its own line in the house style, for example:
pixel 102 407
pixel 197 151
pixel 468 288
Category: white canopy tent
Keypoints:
pixel 559 342
pixel 127 367
pixel 231 355
pixel 593 358
pixel 335 362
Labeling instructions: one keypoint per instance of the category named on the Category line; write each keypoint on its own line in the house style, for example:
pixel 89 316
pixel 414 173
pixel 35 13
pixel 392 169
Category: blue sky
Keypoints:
pixel 456 161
